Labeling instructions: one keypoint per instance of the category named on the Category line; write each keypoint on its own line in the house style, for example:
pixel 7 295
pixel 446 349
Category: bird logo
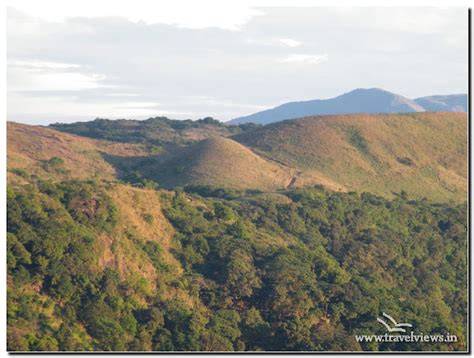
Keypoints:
pixel 396 327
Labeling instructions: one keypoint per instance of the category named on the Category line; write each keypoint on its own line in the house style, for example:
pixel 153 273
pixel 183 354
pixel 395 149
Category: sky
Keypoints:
pixel 75 61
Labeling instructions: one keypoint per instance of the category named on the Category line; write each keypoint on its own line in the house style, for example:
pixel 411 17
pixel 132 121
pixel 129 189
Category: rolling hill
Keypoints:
pixel 32 150
pixel 101 259
pixel 382 154
pixel 220 162
pixel 373 100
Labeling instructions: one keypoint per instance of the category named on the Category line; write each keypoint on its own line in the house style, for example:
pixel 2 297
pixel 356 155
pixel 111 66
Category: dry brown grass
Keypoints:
pixel 222 162
pixel 363 152
pixel 120 251
pixel 424 154
pixel 28 145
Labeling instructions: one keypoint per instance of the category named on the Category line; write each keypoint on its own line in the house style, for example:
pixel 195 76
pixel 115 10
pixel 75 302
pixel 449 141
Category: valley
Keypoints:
pixel 197 236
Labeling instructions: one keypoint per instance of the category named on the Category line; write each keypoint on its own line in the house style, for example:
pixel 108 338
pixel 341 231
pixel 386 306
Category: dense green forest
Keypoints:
pixel 303 269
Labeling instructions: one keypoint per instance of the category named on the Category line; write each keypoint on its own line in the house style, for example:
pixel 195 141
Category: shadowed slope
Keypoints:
pixel 372 100
pixel 450 103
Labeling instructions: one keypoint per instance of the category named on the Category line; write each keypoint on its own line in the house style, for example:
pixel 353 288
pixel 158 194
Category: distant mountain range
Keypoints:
pixel 450 103
pixel 372 100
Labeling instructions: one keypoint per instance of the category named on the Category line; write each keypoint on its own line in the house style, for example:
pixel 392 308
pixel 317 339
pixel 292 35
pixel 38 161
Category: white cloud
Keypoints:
pixel 89 65
pixel 50 76
pixel 137 105
pixel 223 103
pixel 290 42
pixel 304 58
pixel 41 65
pixel 123 94
pixel 228 15
pixel 50 109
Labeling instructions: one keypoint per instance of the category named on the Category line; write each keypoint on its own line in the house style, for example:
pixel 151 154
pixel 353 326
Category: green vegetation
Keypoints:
pixel 406 160
pixel 304 273
pixel 55 164
pixel 175 237
pixel 157 131
pixel 357 140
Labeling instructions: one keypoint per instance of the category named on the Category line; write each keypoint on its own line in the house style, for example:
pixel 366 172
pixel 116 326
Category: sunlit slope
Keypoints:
pixel 220 162
pixel 424 154
pixel 31 150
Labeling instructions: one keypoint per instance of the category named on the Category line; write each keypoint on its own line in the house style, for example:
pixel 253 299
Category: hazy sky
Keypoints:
pixel 78 61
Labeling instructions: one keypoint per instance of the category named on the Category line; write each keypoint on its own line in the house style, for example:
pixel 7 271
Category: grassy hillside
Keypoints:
pixel 221 162
pixel 48 153
pixel 424 154
pixel 97 263
pixel 140 222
